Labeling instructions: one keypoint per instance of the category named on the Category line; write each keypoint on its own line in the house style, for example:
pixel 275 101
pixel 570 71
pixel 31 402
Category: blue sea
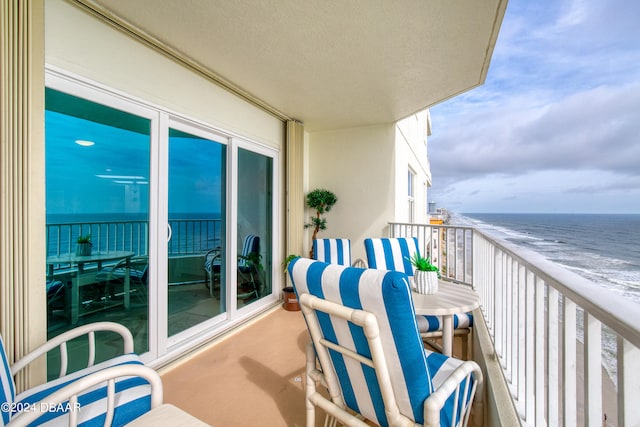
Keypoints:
pixel 602 248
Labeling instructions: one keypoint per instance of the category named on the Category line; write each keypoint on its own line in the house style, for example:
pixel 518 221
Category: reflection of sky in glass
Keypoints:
pixel 112 176
pixel 194 176
pixel 72 175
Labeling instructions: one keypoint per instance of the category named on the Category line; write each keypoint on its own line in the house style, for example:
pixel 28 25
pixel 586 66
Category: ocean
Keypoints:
pixel 602 248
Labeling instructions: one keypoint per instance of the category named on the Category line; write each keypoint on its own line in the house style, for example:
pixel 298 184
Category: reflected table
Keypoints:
pixel 80 261
pixel 449 300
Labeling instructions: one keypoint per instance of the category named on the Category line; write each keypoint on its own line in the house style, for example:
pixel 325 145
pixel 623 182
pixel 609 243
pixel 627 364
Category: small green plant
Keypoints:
pixel 287 260
pixel 84 239
pixel 322 201
pixel 423 264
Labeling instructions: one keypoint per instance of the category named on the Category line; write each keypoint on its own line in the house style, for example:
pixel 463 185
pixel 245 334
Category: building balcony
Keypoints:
pixel 555 348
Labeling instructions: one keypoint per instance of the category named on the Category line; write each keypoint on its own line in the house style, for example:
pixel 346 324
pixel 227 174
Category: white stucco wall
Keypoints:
pixel 84 45
pixel 358 166
pixel 411 152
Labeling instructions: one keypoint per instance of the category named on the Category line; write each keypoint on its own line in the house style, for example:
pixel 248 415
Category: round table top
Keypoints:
pixel 451 298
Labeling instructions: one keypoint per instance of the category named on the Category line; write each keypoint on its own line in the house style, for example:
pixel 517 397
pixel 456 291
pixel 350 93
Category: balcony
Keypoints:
pixel 555 348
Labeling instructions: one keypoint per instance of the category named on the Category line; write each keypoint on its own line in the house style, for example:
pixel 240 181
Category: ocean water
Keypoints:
pixel 602 248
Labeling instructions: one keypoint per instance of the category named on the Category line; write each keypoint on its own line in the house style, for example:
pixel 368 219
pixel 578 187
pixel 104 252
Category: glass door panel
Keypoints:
pixel 97 233
pixel 254 234
pixel 196 256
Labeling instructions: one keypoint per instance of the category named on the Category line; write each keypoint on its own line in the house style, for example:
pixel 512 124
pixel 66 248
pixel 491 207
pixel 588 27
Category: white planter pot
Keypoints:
pixel 426 281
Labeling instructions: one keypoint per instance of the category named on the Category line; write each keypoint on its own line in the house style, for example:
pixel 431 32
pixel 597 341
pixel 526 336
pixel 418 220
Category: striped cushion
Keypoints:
pixel 387 295
pixel 392 254
pixel 395 254
pixel 332 251
pixel 132 397
pixel 251 245
pixel 434 323
pixel 7 386
pixel 440 367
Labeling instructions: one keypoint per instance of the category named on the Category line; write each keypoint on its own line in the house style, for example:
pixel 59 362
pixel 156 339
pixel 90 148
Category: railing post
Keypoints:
pixel 592 370
pixel 569 379
pixel 628 384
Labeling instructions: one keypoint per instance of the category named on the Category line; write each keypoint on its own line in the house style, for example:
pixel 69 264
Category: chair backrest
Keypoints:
pixel 392 253
pixel 7 386
pixel 332 251
pixel 401 375
pixel 251 245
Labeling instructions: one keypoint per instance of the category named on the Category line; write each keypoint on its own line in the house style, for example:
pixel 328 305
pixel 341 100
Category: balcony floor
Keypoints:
pixel 253 377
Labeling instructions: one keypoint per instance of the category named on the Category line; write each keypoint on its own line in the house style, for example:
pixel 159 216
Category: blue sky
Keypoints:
pixel 556 126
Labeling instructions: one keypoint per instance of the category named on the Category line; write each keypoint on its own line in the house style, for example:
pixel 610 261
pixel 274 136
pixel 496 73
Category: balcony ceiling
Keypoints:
pixel 330 64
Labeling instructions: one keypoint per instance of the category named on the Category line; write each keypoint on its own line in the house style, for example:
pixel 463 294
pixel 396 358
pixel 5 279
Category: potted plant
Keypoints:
pixel 84 245
pixel 426 275
pixel 290 298
pixel 322 201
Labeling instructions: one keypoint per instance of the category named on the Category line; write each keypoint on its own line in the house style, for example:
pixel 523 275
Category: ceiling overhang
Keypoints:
pixel 330 64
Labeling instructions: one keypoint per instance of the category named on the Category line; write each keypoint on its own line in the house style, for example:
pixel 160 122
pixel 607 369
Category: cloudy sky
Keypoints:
pixel 556 126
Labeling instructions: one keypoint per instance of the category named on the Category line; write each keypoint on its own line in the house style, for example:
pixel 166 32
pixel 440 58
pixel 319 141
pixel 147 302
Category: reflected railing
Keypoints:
pixel 188 237
pixel 569 349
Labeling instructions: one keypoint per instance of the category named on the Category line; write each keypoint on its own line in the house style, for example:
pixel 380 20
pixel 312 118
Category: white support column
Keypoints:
pixel 22 203
pixel 294 188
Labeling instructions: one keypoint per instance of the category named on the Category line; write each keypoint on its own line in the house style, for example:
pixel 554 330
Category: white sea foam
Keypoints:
pixel 601 249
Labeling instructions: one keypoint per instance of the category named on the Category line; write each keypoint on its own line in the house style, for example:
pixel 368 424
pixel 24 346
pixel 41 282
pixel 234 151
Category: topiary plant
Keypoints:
pixel 322 201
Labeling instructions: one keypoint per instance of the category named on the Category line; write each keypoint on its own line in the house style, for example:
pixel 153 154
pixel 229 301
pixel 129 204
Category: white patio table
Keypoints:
pixel 80 261
pixel 449 300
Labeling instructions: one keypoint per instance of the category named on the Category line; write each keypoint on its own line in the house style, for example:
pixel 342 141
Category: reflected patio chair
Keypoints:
pixel 367 351
pixel 335 251
pixel 55 295
pixel 114 276
pixel 248 269
pixel 395 254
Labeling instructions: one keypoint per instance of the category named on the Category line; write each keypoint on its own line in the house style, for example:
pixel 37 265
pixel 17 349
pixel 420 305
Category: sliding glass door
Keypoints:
pixel 154 221
pixel 254 231
pixel 97 200
pixel 196 216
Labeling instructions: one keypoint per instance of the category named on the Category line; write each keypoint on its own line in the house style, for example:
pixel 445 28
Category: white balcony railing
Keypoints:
pixel 568 348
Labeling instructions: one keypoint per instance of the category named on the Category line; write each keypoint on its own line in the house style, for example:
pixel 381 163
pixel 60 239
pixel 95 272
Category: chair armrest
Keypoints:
pixel 435 402
pixel 62 339
pixel 71 392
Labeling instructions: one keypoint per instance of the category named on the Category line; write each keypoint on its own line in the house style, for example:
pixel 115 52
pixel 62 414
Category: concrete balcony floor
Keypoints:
pixel 252 377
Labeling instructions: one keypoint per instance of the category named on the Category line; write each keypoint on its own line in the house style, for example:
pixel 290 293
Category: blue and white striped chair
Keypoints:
pixel 248 277
pixel 395 254
pixel 133 388
pixel 371 357
pixel 335 251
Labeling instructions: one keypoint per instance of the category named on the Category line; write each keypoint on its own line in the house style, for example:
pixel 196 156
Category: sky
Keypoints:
pixel 556 126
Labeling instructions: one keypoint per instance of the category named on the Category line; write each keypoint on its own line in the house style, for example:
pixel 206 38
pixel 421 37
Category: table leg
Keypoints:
pixel 447 335
pixel 74 310
pixel 127 284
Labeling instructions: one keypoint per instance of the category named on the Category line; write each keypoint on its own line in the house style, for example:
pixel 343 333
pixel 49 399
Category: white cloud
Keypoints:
pixel 561 104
